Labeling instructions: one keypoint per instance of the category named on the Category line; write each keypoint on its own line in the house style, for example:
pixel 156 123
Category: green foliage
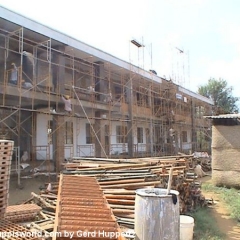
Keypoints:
pixel 205 226
pixel 230 196
pixel 221 94
pixel 203 141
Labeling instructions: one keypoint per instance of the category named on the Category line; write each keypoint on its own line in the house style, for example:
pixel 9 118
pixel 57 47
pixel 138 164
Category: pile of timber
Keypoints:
pixel 40 217
pixel 120 178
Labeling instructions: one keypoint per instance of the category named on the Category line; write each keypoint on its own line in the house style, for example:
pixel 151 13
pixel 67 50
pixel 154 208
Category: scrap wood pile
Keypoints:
pixel 44 221
pixel 205 164
pixel 118 181
pixel 120 178
pixel 36 214
pixel 203 159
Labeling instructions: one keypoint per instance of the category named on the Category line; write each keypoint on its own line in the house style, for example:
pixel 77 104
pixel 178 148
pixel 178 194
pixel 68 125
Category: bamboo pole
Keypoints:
pixel 122 211
pixel 112 196
pixel 119 181
pixel 119 166
pixel 121 201
pixel 132 185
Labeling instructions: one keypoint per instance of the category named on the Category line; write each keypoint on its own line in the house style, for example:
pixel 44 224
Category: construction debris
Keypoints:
pixel 120 178
pixel 46 203
pixel 202 159
pixel 99 195
pixel 14 231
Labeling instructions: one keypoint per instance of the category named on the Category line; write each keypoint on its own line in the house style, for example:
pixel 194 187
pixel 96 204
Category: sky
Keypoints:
pixel 189 41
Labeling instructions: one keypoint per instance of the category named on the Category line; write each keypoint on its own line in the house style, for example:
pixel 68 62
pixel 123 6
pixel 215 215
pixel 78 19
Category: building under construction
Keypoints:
pixel 118 109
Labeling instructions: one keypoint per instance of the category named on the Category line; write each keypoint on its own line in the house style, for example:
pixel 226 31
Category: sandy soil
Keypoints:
pixel 220 212
pixel 18 195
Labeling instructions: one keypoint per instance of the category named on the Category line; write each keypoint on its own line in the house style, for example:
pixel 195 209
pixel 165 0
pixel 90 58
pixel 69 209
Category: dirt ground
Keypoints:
pixel 20 194
pixel 220 212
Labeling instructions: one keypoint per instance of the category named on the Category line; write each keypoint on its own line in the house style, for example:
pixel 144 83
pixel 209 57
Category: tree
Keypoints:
pixel 221 94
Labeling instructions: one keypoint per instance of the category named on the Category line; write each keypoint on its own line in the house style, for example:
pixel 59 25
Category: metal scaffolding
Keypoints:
pixel 115 112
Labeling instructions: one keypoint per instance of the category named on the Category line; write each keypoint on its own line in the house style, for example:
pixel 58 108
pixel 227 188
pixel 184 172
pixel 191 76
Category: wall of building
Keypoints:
pixel 120 148
pixel 79 146
pixel 225 152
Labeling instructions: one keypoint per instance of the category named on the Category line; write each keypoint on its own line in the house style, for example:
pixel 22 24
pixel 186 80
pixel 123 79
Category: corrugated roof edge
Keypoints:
pixel 222 116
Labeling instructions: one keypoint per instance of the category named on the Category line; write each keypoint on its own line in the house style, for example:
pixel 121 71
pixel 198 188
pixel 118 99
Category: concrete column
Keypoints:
pixel 151 122
pixel 58 70
pixel 99 130
pixel 34 136
pixel 180 139
pixel 176 150
pixel 25 142
pixel 129 90
pixel 194 133
pixel 58 141
pixel 100 84
pixel 35 65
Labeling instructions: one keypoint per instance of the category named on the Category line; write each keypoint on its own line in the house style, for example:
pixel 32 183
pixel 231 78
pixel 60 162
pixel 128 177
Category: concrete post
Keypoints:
pixel 25 132
pixel 99 129
pixel 151 123
pixel 194 133
pixel 58 141
pixel 101 85
pixel 58 76
pixel 129 90
pixel 58 71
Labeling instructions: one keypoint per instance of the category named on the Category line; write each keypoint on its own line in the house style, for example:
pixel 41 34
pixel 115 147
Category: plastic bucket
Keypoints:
pixel 186 227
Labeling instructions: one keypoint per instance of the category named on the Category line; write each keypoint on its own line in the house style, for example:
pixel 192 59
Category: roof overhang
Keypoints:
pixel 38 32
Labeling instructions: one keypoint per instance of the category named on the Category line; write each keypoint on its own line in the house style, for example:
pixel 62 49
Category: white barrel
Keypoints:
pixel 186 227
pixel 156 214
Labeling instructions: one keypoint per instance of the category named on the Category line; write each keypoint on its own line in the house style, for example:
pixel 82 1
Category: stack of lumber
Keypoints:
pixel 120 178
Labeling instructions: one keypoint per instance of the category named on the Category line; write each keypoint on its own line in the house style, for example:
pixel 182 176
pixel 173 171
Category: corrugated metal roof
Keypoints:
pixel 223 116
